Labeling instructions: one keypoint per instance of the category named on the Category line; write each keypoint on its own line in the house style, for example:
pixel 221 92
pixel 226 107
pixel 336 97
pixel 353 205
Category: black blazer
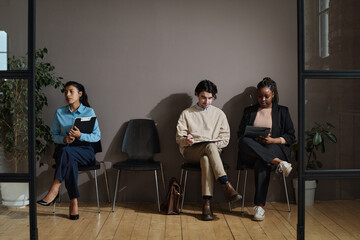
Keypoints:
pixel 282 125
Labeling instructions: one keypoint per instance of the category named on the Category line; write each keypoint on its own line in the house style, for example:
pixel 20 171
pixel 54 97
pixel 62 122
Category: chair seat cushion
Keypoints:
pixel 244 167
pixel 196 166
pixel 95 166
pixel 137 165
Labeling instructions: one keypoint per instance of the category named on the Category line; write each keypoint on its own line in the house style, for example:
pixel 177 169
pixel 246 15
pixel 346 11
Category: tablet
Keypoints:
pixel 85 124
pixel 255 132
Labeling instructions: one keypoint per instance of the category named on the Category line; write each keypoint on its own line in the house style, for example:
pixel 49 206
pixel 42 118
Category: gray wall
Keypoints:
pixel 143 59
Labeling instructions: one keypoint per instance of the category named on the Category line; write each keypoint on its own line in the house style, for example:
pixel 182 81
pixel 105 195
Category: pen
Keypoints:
pixel 186 136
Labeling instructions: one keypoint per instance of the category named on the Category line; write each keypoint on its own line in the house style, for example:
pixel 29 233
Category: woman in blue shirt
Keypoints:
pixel 73 146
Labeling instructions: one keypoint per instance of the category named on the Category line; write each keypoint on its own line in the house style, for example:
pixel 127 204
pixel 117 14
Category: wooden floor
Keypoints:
pixel 325 220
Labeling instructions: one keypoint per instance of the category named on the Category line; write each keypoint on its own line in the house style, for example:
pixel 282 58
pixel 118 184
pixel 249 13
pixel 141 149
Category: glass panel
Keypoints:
pixel 323 5
pixel 13 126
pixel 14 211
pixel 324 36
pixel 332 35
pixel 332 214
pixel 13 22
pixel 335 101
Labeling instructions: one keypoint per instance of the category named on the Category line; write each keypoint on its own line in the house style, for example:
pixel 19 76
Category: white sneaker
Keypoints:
pixel 259 214
pixel 284 167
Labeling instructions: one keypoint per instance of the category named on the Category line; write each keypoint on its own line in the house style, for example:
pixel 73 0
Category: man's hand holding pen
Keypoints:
pixel 189 139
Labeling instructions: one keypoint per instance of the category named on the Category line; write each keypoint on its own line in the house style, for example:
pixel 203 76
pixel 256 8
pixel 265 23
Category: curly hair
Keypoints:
pixel 271 84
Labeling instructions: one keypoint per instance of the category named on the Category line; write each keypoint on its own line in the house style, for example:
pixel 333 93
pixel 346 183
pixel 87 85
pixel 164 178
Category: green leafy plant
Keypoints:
pixel 14 109
pixel 315 140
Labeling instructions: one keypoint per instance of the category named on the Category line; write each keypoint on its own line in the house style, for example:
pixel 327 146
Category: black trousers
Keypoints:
pixel 257 156
pixel 67 159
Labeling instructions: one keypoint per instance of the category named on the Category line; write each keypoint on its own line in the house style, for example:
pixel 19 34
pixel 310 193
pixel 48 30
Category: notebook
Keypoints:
pixel 85 124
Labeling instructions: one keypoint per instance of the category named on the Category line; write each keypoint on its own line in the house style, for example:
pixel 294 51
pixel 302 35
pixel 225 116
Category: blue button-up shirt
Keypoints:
pixel 64 120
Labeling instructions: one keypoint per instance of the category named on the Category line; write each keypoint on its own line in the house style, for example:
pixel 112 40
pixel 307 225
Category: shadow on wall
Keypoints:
pixel 166 114
pixel 234 109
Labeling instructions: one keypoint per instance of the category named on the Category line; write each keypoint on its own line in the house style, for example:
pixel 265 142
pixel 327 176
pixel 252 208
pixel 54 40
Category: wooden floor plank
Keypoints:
pixel 189 219
pixel 173 227
pixel 344 215
pixel 14 223
pixel 234 221
pixel 126 226
pixel 324 220
pixel 284 226
pixel 143 221
pixel 157 226
pixel 328 220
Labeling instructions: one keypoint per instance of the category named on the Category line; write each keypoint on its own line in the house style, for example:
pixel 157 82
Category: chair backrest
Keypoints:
pixel 141 139
pixel 97 146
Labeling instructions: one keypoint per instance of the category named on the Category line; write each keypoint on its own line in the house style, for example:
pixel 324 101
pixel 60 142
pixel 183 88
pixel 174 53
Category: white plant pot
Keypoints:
pixel 14 194
pixel 310 187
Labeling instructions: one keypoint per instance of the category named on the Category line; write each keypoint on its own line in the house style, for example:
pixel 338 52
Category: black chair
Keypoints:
pixel 193 167
pixel 96 166
pixel 245 168
pixel 141 143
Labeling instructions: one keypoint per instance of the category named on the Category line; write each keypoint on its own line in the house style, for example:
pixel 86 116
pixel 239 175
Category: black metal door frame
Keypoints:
pixel 313 74
pixel 29 74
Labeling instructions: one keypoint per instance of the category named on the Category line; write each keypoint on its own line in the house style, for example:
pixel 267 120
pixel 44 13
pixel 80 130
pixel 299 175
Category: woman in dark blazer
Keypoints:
pixel 264 153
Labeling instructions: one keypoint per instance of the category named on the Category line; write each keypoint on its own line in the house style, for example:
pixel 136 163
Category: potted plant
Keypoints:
pixel 315 140
pixel 14 117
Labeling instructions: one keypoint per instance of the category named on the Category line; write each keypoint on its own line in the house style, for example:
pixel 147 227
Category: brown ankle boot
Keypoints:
pixel 207 214
pixel 230 194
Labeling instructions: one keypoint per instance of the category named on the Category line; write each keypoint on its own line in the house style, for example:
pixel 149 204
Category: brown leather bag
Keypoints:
pixel 172 202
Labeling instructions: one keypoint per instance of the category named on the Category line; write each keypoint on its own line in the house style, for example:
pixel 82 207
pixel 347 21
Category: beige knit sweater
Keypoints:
pixel 203 126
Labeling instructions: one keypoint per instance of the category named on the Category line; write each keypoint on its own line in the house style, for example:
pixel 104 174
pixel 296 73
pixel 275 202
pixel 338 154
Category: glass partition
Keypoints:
pixel 14 211
pixel 332 35
pixel 13 32
pixel 13 125
pixel 335 101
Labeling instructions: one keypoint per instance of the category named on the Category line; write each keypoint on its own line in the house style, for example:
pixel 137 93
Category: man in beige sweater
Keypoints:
pixel 202 131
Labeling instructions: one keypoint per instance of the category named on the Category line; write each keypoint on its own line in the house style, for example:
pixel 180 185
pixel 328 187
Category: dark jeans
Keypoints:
pixel 257 156
pixel 67 159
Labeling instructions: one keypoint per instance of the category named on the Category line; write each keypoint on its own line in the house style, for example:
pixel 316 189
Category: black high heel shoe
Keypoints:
pixel 43 203
pixel 74 217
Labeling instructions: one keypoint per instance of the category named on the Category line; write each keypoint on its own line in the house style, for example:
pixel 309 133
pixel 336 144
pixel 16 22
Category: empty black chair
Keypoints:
pixel 96 166
pixel 141 143
pixel 193 167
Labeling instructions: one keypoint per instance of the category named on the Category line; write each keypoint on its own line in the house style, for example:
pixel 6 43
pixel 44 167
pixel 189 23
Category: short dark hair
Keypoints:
pixel 207 86
pixel 271 84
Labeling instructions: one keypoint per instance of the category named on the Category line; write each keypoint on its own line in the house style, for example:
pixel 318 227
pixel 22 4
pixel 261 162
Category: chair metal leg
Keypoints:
pixel 106 181
pixel 162 176
pixel 237 182
pixel 157 190
pixel 286 193
pixel 97 190
pixel 182 202
pixel 181 176
pixel 116 189
pixel 244 191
